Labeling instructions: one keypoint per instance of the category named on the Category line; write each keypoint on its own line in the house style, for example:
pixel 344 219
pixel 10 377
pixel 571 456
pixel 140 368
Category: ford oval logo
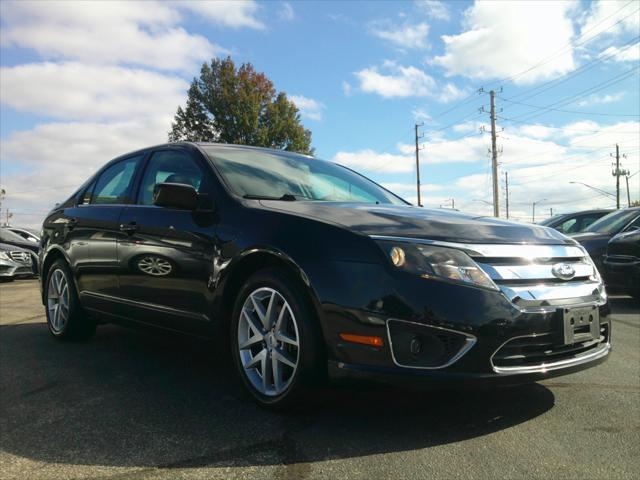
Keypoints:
pixel 563 271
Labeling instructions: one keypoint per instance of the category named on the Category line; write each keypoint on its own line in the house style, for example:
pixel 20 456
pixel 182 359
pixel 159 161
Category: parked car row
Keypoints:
pixel 19 248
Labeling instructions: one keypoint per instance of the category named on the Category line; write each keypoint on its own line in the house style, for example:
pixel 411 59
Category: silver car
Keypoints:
pixel 15 262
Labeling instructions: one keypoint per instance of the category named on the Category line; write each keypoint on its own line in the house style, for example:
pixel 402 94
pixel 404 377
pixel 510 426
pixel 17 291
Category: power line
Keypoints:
pixel 584 68
pixel 636 132
pixel 552 107
pixel 573 43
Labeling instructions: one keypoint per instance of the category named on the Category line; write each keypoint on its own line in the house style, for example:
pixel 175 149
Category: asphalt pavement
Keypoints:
pixel 140 405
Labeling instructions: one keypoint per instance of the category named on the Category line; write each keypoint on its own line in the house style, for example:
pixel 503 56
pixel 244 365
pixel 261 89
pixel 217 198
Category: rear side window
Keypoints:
pixel 171 167
pixel 113 186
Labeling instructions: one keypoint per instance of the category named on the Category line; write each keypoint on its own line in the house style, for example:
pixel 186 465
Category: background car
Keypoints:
pixel 597 235
pixel 10 238
pixel 15 262
pixel 575 222
pixel 621 264
pixel 30 234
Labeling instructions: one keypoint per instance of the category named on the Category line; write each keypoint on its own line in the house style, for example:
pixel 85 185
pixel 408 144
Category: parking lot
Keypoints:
pixel 131 405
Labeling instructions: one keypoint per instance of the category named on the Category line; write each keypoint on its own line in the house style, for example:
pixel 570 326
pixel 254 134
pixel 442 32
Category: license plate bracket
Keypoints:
pixel 580 324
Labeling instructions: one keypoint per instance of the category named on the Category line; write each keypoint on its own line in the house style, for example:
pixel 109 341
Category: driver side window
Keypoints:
pixel 170 167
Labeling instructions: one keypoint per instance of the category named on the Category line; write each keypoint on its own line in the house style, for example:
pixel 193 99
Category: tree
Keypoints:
pixel 239 106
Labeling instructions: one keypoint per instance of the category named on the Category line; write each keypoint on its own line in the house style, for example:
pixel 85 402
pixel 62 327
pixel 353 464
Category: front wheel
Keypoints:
pixel 65 317
pixel 274 338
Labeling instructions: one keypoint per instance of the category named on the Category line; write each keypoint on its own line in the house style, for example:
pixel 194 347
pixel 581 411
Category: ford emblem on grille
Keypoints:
pixel 563 271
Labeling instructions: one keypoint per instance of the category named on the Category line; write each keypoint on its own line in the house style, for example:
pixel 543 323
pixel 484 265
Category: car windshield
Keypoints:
pixel 613 222
pixel 8 236
pixel 265 174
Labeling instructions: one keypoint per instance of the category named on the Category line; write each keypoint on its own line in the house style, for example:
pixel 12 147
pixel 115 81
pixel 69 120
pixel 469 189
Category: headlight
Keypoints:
pixel 4 256
pixel 443 263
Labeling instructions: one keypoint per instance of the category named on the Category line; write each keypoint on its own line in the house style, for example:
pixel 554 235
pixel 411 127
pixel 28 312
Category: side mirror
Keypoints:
pixel 175 195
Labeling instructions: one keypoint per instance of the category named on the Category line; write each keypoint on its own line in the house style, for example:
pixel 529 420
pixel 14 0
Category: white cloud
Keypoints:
pixel 610 17
pixel 406 36
pixel 370 160
pixel 596 99
pixel 51 161
pixel 79 91
pixel 501 39
pixel 286 12
pixel 397 81
pixel 625 54
pixel 465 150
pixel 137 33
pixel 434 9
pixel 308 107
pixel 229 13
pixel 541 161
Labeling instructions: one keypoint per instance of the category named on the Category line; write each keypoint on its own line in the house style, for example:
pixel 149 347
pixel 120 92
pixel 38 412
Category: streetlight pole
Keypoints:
pixel 533 209
pixel 600 191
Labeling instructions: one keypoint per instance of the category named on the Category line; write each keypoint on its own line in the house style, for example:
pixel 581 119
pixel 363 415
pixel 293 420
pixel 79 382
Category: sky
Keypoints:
pixel 84 82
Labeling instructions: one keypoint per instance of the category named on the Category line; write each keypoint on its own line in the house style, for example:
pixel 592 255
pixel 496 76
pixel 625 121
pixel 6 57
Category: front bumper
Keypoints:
pixel 341 372
pixel 10 269
pixel 485 319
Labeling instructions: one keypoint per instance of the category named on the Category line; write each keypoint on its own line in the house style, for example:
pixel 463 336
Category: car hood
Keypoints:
pixel 416 222
pixel 5 247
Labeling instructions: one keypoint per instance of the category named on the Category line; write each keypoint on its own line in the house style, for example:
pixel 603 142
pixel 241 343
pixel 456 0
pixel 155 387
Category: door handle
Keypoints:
pixel 129 228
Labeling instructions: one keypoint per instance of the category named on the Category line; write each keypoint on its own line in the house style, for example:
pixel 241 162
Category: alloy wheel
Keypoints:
pixel 155 266
pixel 268 341
pixel 58 301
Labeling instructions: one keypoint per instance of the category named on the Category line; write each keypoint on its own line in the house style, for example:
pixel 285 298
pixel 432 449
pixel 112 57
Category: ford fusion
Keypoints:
pixel 306 270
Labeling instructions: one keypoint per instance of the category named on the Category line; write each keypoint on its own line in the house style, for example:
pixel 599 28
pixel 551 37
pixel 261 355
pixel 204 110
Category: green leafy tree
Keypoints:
pixel 239 106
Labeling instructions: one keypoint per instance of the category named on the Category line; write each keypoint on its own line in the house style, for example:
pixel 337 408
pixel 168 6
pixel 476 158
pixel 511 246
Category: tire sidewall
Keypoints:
pixel 308 359
pixel 77 326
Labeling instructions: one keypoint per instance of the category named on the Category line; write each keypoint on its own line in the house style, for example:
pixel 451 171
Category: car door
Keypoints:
pixel 92 231
pixel 166 254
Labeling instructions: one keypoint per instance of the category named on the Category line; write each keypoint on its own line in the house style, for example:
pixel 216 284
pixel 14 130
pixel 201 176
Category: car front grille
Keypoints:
pixel 20 257
pixel 542 352
pixel 530 275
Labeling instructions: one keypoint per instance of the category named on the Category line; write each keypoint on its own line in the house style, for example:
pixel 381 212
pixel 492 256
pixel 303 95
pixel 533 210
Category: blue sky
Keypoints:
pixel 84 82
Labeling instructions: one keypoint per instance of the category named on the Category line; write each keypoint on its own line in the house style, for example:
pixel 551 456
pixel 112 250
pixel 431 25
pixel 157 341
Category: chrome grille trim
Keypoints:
pixel 530 271
pixel 20 257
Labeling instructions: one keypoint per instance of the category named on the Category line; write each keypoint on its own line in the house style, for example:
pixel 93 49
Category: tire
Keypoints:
pixel 65 317
pixel 292 348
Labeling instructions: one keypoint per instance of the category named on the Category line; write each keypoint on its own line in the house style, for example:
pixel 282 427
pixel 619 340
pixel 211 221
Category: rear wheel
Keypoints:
pixel 274 339
pixel 65 317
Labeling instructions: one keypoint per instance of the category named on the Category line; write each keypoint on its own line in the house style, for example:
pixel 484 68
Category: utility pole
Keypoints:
pixel 506 188
pixel 418 125
pixel 626 177
pixel 617 173
pixel 550 212
pixel 494 155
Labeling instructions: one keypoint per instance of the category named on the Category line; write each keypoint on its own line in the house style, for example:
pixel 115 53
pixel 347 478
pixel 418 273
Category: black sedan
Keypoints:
pixel 575 222
pixel 305 269
pixel 621 265
pixel 598 234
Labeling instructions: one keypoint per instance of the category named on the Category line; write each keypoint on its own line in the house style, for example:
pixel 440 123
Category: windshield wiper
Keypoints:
pixel 287 197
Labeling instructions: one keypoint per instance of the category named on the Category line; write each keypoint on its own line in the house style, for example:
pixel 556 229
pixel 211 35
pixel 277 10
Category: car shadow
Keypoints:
pixel 129 398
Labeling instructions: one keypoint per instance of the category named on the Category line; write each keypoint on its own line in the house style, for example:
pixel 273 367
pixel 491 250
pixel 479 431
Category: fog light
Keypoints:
pixel 397 256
